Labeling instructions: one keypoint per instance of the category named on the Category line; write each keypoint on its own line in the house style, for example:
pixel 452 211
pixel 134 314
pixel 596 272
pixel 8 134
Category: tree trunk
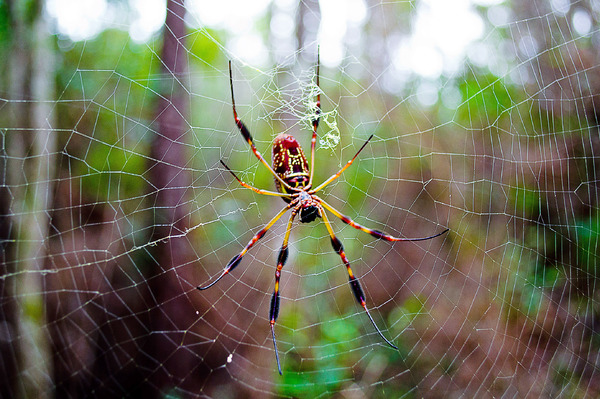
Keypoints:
pixel 30 146
pixel 308 21
pixel 170 179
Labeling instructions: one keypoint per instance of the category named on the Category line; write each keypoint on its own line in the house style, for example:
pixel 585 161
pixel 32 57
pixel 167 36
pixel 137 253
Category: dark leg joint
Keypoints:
pixel 357 290
pixel 377 233
pixel 244 130
pixel 283 255
pixel 261 234
pixel 274 312
pixel 337 245
pixel 233 263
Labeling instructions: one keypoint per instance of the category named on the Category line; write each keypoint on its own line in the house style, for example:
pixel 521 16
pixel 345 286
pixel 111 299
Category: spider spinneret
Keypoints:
pixel 293 181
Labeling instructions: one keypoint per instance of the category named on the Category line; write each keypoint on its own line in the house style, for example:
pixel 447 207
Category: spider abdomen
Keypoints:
pixel 309 214
pixel 289 163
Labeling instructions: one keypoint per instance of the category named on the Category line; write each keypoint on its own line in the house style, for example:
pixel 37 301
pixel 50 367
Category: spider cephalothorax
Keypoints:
pixel 309 207
pixel 293 180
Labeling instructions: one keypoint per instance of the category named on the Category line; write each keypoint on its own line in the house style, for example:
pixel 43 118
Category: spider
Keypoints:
pixel 294 180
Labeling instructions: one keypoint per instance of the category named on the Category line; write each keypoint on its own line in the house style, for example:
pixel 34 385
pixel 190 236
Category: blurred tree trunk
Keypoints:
pixel 308 21
pixel 30 147
pixel 171 180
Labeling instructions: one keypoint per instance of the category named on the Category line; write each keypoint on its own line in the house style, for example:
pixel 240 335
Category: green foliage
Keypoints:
pixel 527 281
pixel 5 25
pixel 546 121
pixel 171 394
pixel 108 92
pixel 112 172
pixel 322 367
pixel 325 366
pixel 203 44
pixel 586 233
pixel 98 80
pixel 487 99
pixel 525 202
pixel 538 279
pixel 403 316
pixel 540 266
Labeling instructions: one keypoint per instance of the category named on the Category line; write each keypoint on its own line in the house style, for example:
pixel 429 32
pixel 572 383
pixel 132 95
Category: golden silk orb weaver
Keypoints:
pixel 294 184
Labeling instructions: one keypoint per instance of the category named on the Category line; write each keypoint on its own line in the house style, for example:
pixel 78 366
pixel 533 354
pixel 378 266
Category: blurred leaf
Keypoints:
pixel 99 80
pixel 587 242
pixel 403 316
pixel 203 44
pixel 487 98
pixel 525 201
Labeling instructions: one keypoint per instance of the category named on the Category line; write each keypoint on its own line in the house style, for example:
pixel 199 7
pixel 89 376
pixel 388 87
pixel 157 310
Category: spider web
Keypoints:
pixel 496 140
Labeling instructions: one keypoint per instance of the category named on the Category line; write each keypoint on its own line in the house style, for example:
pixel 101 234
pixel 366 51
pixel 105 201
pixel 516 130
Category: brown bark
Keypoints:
pixel 170 316
pixel 308 20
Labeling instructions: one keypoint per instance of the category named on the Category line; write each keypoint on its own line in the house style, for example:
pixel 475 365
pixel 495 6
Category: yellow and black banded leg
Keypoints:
pixel 281 259
pixel 248 137
pixel 374 233
pixel 315 124
pixel 336 175
pixel 354 284
pixel 256 190
pixel 235 261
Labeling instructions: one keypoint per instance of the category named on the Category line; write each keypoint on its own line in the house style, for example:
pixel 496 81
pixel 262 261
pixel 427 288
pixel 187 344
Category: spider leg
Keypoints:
pixel 354 284
pixel 236 259
pixel 257 190
pixel 336 175
pixel 281 259
pixel 248 137
pixel 374 233
pixel 315 124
